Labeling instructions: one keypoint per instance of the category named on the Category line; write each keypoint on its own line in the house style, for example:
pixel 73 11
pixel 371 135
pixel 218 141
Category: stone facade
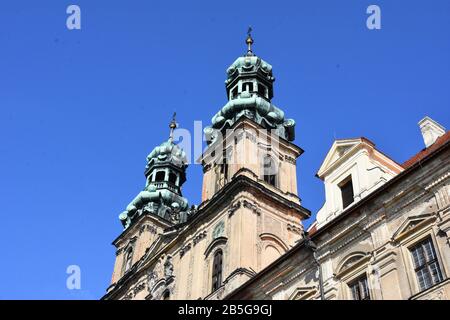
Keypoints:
pixel 246 239
pixel 252 222
pixel 372 239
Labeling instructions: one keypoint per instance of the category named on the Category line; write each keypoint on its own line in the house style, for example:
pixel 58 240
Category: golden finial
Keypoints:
pixel 172 126
pixel 249 41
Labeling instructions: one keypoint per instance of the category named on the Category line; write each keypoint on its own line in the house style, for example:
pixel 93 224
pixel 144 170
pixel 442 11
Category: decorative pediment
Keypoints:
pixel 151 251
pixel 303 293
pixel 351 262
pixel 412 224
pixel 215 243
pixel 274 239
pixel 338 150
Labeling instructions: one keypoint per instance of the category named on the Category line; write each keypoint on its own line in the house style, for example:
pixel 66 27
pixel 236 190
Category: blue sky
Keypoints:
pixel 80 110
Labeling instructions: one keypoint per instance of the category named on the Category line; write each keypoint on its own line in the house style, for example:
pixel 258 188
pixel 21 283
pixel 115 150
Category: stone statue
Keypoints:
pixel 168 268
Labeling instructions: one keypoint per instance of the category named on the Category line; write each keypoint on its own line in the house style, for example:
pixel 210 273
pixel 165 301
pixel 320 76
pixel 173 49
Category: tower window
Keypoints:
pixel 128 260
pixel 262 90
pixel 270 171
pixel 360 289
pixel 234 92
pixel 172 178
pixel 217 270
pixel 248 86
pixel 426 264
pixel 224 166
pixel 160 176
pixel 221 170
pixel 347 192
pixel 224 171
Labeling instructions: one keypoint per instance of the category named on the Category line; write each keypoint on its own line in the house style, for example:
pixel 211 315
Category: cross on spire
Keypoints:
pixel 249 41
pixel 172 126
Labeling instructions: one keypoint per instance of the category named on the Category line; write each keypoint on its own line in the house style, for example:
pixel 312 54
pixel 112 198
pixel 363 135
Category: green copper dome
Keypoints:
pixel 249 86
pixel 247 65
pixel 168 151
pixel 165 173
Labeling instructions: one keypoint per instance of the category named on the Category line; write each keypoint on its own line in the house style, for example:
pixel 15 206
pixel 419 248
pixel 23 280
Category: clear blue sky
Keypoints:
pixel 80 110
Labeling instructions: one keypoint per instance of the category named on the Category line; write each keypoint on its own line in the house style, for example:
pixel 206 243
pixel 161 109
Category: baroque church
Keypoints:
pixel 382 233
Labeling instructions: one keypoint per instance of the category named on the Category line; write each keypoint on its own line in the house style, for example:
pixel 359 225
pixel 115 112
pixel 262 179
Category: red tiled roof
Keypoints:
pixel 426 151
pixel 313 228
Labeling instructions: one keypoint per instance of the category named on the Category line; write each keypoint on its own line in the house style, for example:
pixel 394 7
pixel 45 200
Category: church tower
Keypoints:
pixel 250 212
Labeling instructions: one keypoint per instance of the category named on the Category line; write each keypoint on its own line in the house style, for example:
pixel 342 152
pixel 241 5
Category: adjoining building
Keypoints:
pixel 383 232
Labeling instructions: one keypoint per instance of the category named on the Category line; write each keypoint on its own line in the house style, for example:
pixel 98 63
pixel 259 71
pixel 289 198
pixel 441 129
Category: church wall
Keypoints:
pixel 246 147
pixel 139 237
pixel 243 230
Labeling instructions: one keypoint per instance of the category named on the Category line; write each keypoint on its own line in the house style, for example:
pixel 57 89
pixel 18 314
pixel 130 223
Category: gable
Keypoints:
pixel 338 150
pixel 303 293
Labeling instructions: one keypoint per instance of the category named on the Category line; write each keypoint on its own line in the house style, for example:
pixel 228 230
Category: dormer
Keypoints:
pixel 352 169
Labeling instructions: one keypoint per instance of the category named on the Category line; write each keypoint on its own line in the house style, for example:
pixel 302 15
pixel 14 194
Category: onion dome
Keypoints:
pixel 249 88
pixel 167 152
pixel 165 174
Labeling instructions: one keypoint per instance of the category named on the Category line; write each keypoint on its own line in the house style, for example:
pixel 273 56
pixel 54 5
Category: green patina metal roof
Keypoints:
pixel 249 64
pixel 162 197
pixel 168 151
pixel 254 103
pixel 251 104
pixel 165 200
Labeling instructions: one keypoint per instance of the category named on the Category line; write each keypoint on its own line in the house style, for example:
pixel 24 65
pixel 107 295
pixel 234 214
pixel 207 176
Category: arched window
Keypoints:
pixel 172 178
pixel 128 260
pixel 270 254
pixel 270 171
pixel 160 176
pixel 217 270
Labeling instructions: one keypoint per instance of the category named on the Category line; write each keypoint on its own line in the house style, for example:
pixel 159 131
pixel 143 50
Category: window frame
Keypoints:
pixel 356 270
pixel 268 177
pixel 341 185
pixel 418 233
pixel 217 273
pixel 129 252
pixel 358 281
pixel 426 265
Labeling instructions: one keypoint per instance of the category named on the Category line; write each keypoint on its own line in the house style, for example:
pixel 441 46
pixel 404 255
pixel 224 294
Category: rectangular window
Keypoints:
pixel 224 169
pixel 347 192
pixel 269 171
pixel 360 289
pixel 426 264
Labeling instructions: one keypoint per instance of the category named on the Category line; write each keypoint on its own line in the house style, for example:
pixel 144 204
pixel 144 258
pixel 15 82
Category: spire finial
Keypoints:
pixel 249 41
pixel 172 126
